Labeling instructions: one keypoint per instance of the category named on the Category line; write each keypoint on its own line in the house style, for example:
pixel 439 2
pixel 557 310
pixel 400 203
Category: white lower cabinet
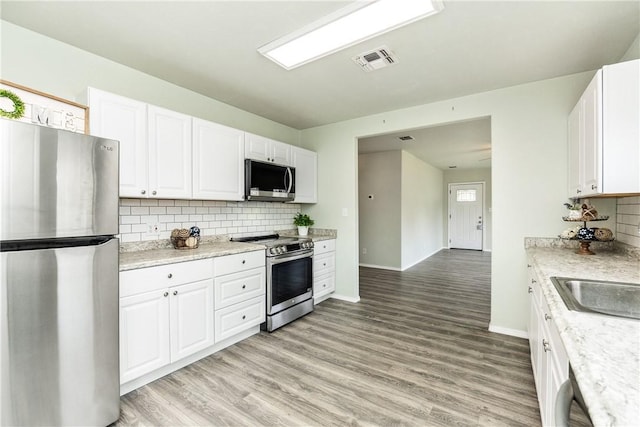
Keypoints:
pixel 174 314
pixel 549 359
pixel 240 288
pixel 324 269
pixel 166 314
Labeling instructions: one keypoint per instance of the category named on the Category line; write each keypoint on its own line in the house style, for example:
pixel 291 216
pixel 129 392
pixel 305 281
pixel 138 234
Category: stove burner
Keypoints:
pixel 277 245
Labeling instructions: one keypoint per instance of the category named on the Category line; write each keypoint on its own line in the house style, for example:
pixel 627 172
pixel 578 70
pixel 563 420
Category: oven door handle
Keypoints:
pixel 286 258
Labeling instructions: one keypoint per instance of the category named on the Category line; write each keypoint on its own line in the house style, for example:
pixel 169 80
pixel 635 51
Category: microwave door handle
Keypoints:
pixel 290 180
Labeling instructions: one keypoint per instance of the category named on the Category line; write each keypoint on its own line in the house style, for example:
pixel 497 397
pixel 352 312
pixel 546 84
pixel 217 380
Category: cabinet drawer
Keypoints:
pixel 134 282
pixel 236 318
pixel 323 264
pixel 324 285
pixel 238 262
pixel 237 287
pixel 324 246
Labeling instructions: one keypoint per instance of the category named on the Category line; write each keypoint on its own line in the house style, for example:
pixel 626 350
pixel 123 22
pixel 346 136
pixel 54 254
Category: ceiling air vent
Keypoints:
pixel 375 59
pixel 406 138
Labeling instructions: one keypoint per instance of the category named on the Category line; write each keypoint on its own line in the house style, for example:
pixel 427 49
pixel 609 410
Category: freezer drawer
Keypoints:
pixel 55 183
pixel 59 336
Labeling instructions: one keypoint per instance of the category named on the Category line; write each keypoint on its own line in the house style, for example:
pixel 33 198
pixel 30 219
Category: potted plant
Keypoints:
pixel 303 222
pixel 575 211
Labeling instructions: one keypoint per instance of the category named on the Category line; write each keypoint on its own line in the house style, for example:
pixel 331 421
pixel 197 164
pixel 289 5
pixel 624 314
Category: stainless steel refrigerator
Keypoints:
pixel 59 277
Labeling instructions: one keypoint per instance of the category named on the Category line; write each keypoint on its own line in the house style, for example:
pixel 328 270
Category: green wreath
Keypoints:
pixel 18 105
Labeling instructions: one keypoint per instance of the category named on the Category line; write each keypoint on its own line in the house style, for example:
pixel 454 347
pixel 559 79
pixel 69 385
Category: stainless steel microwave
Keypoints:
pixel 269 182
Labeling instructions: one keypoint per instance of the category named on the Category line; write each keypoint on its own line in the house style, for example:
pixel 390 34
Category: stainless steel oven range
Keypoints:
pixel 289 278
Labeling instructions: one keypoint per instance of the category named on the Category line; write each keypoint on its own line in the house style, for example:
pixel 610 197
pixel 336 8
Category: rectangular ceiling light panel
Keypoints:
pixel 346 27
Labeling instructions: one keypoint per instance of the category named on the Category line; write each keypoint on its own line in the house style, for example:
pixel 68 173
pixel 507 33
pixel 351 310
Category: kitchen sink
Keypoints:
pixel 599 296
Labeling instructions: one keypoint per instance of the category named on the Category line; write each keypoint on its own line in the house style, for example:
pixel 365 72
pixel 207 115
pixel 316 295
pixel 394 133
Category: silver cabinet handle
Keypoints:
pixel 578 191
pixel 154 192
pixel 545 345
pixel 547 317
pixel 530 290
pixel 533 281
pixel 243 261
pixel 593 186
pixel 175 292
pixel 528 265
pixel 244 317
pixel 169 275
pixel 244 286
pixel 166 294
pixel 143 191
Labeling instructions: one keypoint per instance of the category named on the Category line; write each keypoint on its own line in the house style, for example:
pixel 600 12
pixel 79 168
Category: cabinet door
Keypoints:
pixel 191 317
pixel 280 153
pixel 306 165
pixel 232 320
pixel 218 162
pixel 621 127
pixel 257 147
pixel 144 334
pixel 169 154
pixel 592 142
pixel 125 120
pixel 324 285
pixel 574 169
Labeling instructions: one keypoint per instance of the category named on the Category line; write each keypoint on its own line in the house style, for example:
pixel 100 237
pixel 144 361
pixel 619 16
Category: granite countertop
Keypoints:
pixel 160 252
pixel 604 351
pixel 161 256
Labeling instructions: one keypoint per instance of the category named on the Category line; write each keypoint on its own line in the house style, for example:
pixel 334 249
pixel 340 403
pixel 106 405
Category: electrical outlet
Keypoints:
pixel 153 229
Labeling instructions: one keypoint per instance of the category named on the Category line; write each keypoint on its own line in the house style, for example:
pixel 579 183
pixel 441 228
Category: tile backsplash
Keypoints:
pixel 149 219
pixel 628 220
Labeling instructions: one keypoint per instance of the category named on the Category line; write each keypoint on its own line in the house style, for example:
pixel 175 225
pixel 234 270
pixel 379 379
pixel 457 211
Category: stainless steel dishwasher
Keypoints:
pixel 570 409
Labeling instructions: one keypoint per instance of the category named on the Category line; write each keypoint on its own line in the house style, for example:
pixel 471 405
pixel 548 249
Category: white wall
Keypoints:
pixel 422 222
pixel 633 52
pixel 453 176
pixel 379 176
pixel 47 65
pixel 528 124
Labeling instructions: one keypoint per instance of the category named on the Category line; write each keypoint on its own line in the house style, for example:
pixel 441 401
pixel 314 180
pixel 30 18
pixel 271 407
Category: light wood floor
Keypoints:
pixel 415 351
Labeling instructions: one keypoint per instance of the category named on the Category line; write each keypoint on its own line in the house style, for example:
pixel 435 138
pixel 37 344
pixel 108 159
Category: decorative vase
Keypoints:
pixel 303 230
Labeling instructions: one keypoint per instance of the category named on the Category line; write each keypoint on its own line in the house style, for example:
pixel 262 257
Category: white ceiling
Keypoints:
pixel 211 47
pixel 466 145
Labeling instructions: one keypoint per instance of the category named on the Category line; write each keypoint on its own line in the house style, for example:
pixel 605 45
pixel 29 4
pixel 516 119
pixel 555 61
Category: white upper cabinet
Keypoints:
pixel 218 162
pixel 267 150
pixel 116 117
pixel 306 164
pixel 169 154
pixel 621 127
pixel 604 135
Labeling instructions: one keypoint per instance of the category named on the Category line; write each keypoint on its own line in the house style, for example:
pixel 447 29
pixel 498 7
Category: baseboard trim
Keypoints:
pixel 508 331
pixel 346 298
pixel 425 257
pixel 382 267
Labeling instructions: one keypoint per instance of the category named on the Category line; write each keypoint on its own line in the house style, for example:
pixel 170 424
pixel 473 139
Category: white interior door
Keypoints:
pixel 465 216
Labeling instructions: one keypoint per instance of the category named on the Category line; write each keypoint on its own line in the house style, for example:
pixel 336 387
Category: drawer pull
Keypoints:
pixel 547 317
pixel 169 275
pixel 244 286
pixel 545 345
pixel 528 265
pixel 166 294
pixel 324 285
pixel 324 264
pixel 530 290
pixel 243 261
pixel 244 317
pixel 533 281
pixel 175 292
